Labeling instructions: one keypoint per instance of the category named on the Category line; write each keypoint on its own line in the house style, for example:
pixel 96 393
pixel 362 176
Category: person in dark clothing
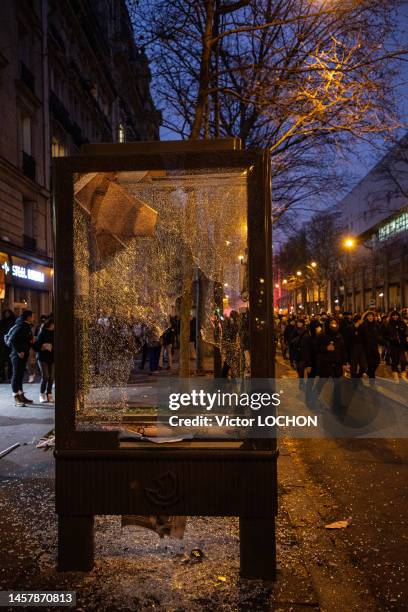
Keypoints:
pixel 38 327
pixel 230 338
pixel 175 324
pixel 20 338
pixel 385 356
pixel 44 346
pixel 355 348
pixel 167 339
pixel 345 322
pixel 395 336
pixel 371 341
pixel 331 360
pixel 288 334
pixel 6 323
pixel 309 348
pixel 295 349
pixel 153 350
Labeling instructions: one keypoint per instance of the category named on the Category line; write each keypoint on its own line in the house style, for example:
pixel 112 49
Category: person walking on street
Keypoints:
pixel 19 339
pixel 296 350
pixel 288 334
pixel 309 349
pixel 168 339
pixel 153 350
pixel 6 323
pixel 354 342
pixel 371 342
pixel 44 346
pixel 331 361
pixel 396 338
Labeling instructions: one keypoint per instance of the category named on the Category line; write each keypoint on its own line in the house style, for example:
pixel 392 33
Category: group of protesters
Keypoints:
pixel 330 346
pixel 138 339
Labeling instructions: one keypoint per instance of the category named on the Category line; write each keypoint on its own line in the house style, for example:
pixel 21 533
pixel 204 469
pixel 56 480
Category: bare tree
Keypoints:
pixel 304 78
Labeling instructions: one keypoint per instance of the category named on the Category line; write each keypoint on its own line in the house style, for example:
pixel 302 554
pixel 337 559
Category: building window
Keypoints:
pixel 58 148
pixel 121 133
pixel 26 129
pixel 28 162
pixel 28 214
pixel 20 295
pixel 396 226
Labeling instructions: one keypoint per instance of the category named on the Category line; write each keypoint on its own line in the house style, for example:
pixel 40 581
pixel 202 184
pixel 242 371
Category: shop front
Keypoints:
pixel 25 284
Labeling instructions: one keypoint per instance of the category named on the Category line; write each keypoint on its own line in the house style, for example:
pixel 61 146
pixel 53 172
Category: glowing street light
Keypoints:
pixel 276 286
pixel 284 282
pixel 313 264
pixel 349 243
pixel 298 273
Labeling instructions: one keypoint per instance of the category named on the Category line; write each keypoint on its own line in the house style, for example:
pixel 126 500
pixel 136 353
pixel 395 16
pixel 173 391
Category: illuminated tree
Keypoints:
pixel 306 78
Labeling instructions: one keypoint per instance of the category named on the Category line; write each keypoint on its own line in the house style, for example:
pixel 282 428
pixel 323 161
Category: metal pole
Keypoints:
pixel 8 450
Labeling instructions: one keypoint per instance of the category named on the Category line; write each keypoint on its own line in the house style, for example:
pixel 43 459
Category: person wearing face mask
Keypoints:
pixel 371 342
pixel 396 338
pixel 309 357
pixel 331 360
pixel 296 350
pixel 354 342
pixel 288 334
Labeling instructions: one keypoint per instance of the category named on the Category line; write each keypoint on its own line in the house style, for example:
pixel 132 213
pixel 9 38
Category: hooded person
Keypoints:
pixel 20 339
pixel 331 360
pixel 396 338
pixel 371 342
pixel 288 334
pixel 309 349
pixel 296 348
pixel 354 341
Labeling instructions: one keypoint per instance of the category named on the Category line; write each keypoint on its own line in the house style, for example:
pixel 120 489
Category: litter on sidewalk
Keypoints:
pixel 340 524
pixel 8 450
pixel 171 526
pixel 47 441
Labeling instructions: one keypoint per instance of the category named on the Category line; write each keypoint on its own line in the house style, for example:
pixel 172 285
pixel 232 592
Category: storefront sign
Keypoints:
pixel 23 272
pixel 20 272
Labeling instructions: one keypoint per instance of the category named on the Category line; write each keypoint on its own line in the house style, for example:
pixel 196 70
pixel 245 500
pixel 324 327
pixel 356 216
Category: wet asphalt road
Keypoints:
pixel 367 480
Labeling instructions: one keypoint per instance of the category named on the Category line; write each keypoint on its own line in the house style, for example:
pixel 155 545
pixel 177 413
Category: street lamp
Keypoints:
pixel 349 243
pixel 313 264
pixel 298 273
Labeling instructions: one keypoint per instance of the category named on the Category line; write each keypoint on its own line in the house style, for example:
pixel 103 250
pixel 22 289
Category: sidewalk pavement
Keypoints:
pixel 24 426
pixel 133 571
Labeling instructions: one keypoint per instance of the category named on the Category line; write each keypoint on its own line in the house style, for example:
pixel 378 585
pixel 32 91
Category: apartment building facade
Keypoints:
pixel 70 73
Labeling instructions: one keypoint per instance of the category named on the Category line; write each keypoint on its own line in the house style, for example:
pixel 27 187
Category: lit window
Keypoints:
pixel 396 226
pixel 57 148
pixel 122 133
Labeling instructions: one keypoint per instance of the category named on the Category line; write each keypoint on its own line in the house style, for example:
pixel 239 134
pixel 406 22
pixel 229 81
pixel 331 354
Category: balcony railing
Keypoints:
pixel 27 77
pixel 29 166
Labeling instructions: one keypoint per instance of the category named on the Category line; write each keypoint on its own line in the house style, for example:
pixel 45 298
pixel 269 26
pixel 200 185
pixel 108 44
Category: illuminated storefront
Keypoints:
pixel 25 284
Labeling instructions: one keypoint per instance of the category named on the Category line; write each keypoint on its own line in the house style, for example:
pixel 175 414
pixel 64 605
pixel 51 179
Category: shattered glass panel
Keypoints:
pixel 161 285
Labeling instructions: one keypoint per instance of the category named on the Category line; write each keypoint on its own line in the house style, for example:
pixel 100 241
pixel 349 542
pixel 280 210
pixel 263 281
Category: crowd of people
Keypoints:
pixel 25 347
pixel 317 347
pixel 137 339
pixel 330 346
